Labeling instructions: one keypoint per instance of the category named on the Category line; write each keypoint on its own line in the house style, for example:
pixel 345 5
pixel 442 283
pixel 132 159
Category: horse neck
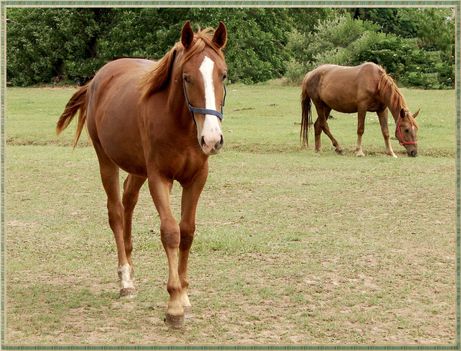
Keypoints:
pixel 393 99
pixel 395 110
pixel 177 105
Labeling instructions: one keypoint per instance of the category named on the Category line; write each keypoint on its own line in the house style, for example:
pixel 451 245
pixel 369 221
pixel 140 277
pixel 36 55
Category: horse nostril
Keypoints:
pixel 202 141
pixel 413 153
pixel 219 144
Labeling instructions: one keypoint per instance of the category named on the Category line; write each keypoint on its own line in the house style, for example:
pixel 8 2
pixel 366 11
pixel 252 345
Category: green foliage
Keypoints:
pixel 255 54
pixel 432 54
pixel 295 71
pixel 334 40
pixel 71 44
pixel 40 42
pixel 414 45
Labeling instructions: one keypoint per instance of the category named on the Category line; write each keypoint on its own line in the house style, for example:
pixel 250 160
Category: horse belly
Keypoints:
pixel 341 103
pixel 113 123
pixel 121 140
pixel 339 97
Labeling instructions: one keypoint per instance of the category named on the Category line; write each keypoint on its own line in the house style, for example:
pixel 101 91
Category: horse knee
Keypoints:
pixel 187 235
pixel 170 234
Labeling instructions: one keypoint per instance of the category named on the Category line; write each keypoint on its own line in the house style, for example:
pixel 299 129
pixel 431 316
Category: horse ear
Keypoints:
pixel 187 35
pixel 403 113
pixel 220 35
pixel 416 113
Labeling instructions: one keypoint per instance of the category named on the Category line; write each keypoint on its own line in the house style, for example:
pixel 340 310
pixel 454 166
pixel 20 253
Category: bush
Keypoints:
pixel 329 43
pixel 295 72
pixel 46 45
pixel 41 42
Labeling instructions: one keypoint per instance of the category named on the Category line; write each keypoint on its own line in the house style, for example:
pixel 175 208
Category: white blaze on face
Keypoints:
pixel 211 130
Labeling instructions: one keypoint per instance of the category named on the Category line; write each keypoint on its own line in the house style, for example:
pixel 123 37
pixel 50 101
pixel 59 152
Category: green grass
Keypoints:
pixel 292 247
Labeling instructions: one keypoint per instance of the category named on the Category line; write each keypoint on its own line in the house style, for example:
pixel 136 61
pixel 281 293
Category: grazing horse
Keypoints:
pixel 157 121
pixel 356 89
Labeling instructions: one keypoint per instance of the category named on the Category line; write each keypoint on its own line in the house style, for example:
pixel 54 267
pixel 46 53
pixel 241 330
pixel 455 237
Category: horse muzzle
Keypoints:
pixel 211 146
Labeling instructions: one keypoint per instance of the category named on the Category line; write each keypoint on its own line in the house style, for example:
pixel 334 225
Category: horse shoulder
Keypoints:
pixel 368 75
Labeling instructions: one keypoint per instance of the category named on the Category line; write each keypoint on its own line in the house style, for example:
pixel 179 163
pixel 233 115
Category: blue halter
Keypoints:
pixel 205 111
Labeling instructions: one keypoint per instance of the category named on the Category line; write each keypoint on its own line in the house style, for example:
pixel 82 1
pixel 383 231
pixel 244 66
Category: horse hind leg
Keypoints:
pixel 318 127
pixel 110 181
pixel 131 188
pixel 318 134
pixel 360 129
pixel 326 129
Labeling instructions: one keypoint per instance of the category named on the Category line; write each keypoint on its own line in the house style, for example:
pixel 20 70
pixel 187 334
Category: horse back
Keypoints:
pixel 345 88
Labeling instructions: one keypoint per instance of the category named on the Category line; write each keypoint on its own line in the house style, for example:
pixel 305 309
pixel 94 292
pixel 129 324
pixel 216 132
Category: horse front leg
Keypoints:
pixel 383 121
pixel 170 235
pixel 190 196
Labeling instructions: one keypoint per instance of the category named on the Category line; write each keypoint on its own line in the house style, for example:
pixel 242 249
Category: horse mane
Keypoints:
pixel 390 93
pixel 158 78
pixel 387 86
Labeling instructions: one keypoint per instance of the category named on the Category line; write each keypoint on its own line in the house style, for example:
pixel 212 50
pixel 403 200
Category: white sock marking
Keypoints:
pixel 125 277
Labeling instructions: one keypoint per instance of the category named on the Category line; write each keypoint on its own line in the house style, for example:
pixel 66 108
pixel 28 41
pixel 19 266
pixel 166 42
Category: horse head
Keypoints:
pixel 202 72
pixel 406 131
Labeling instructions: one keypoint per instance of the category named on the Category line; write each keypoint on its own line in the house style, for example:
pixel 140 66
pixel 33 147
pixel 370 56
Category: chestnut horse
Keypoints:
pixel 356 89
pixel 157 121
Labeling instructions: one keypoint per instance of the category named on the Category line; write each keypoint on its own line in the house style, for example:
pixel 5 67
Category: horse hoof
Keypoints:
pixel 174 321
pixel 128 292
pixel 360 154
pixel 339 151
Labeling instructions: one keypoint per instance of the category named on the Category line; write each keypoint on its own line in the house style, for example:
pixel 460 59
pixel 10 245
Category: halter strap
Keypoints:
pixel 205 111
pixel 400 135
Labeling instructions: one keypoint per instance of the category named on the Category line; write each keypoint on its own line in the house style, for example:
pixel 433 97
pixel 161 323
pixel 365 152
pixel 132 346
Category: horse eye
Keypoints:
pixel 186 78
pixel 407 130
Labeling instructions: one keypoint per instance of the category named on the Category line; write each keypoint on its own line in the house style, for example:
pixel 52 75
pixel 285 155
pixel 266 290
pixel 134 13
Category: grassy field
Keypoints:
pixel 301 248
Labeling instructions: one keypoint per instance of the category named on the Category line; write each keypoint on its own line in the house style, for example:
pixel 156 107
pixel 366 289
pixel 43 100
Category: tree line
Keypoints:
pixel 54 45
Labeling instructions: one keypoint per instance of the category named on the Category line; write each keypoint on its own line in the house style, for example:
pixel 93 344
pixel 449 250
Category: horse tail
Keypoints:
pixel 77 103
pixel 306 117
